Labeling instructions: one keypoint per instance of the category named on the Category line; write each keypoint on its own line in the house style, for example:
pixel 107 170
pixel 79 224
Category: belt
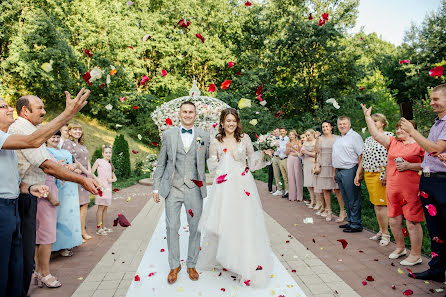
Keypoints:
pixel 283 158
pixel 7 201
pixel 435 174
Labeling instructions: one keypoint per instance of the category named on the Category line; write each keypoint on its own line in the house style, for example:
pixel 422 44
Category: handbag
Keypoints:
pixel 316 168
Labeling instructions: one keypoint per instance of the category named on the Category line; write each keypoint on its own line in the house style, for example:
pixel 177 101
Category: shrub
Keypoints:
pixel 121 157
pixel 96 155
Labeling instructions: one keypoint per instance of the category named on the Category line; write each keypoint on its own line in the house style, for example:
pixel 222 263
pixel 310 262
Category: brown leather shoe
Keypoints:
pixel 172 277
pixel 193 274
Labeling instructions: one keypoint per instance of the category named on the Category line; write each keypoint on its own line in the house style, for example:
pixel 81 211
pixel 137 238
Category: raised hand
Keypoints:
pixel 76 104
pixel 367 111
pixel 407 126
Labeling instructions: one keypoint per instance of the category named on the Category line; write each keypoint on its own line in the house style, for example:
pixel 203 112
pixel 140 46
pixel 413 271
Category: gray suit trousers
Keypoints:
pixel 191 198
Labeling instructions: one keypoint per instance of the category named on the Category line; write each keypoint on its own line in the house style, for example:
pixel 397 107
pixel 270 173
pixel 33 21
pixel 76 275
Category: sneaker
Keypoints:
pixel 108 230
pixel 277 193
pixel 101 232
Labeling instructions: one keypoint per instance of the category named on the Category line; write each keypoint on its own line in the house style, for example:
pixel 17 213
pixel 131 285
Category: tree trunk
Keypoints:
pixel 406 110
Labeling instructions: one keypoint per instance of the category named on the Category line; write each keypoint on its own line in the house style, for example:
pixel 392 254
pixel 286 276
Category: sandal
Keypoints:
pixel 49 281
pixel 328 217
pixel 377 236
pixel 66 253
pixel 385 239
pixel 342 216
pixel 35 278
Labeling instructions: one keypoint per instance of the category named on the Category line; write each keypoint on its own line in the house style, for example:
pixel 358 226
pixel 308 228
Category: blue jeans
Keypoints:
pixel 351 195
pixel 11 251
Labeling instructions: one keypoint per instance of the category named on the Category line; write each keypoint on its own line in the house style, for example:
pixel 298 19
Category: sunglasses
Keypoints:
pixel 5 106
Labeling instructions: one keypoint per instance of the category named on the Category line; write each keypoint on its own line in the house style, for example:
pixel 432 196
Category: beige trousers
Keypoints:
pixel 280 167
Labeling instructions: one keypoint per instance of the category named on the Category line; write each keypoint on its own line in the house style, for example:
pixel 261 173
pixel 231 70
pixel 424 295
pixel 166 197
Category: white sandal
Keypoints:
pixel 46 281
pixel 377 236
pixel 385 240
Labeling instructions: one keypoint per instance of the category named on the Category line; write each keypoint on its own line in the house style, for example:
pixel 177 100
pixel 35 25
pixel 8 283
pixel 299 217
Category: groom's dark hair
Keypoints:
pixel 188 102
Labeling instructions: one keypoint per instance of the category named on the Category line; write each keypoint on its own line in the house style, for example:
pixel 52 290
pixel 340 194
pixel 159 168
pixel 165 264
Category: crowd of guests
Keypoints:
pixel 47 182
pixel 404 176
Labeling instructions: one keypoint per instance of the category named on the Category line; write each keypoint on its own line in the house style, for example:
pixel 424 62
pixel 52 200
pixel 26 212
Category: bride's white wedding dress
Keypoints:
pixel 232 223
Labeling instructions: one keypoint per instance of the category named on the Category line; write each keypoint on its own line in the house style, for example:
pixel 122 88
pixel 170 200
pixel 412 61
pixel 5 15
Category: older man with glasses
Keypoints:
pixel 11 252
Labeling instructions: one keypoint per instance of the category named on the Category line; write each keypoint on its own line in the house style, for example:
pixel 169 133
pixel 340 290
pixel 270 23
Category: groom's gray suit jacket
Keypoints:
pixel 176 167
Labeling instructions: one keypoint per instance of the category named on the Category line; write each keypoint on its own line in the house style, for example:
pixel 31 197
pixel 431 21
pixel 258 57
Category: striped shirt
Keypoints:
pixel 29 159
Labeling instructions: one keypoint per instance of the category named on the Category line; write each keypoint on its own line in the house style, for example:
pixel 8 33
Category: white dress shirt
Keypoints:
pixel 280 152
pixel 187 138
pixel 346 150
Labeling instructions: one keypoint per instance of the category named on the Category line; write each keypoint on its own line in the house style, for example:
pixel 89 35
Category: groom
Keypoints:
pixel 180 178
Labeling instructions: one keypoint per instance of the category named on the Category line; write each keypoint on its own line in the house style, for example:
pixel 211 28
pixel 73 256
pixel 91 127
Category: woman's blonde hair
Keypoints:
pixel 294 132
pixel 72 126
pixel 311 131
pixel 107 146
pixel 382 118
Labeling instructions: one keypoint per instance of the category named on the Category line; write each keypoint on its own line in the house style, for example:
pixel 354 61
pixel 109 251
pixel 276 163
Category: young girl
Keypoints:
pixel 106 176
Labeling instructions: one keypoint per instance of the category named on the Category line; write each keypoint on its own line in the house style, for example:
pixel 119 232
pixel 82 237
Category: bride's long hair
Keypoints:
pixel 238 133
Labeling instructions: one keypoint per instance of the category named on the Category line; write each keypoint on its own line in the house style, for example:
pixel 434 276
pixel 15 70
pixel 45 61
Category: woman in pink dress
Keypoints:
pixel 294 164
pixel 106 176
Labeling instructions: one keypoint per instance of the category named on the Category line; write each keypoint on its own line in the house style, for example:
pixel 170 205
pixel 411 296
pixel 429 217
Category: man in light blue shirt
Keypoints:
pixel 347 151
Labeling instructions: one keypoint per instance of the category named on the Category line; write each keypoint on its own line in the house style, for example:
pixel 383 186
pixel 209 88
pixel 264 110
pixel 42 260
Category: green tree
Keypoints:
pixel 121 157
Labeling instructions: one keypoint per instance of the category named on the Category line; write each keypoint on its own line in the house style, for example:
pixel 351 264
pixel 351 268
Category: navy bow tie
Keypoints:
pixel 186 131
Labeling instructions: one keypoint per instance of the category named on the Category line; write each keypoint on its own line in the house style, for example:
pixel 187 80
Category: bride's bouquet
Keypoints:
pixel 266 142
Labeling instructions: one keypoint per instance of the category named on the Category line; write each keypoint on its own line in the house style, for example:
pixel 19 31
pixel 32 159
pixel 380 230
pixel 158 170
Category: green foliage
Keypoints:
pixel 121 157
pixel 97 154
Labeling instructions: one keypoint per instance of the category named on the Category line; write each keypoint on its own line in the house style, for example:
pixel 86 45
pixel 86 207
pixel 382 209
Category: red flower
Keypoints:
pixel 199 36
pixel 199 183
pixel 99 192
pixel 221 178
pixel 247 3
pixel 321 22
pixel 325 16
pixel 135 107
pixel 169 122
pixel 155 143
pixel 144 79
pixel 162 250
pixel 405 233
pixel 102 86
pixel 404 62
pixel 278 114
pixel 343 242
pixel 230 64
pixel 87 53
pixel 408 293
pixel 211 89
pixel 310 16
pixel 163 72
pixel 437 71
pixel 259 90
pixel 361 88
pixel 225 84
pixel 137 278
pixel 191 213
pixel 238 73
pixel 370 278
pixel 247 193
pixel 130 47
pixel 86 77
pixel 259 268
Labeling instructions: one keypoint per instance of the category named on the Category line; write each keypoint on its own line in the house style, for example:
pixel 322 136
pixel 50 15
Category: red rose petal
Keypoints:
pixel 163 72
pixel 135 107
pixel 278 114
pixel 287 241
pixel 259 90
pixel 247 3
pixel 411 273
pixel 115 190
pixel 211 89
pixel 370 278
pixel 437 240
pixel 223 289
pixel 321 22
pixel 155 143
pixel 144 79
pixel 224 269
pixel 214 125
pixel 310 16
pixel 87 53
pixel 151 274
pixel 247 193
pixel 436 71
pixel 364 283
pixel 434 255
pixel 238 73
pixel 294 270
pixel 404 62
pixel 259 268
pixel 343 242
pixel 314 241
pixel 231 64
pixel 247 282
pixel 191 213
pixel 431 209
pixel 423 194
pixel 225 84
pixel 99 192
pixel 361 88
pixel 393 287
pixel 221 178
pixel 162 250
pixel 199 183
pixel 325 16
pixel 130 47
pixel 199 36
pixel 405 233
pixel 169 122
pixel 135 152
pixel 408 293
pixel 225 150
pixel 137 278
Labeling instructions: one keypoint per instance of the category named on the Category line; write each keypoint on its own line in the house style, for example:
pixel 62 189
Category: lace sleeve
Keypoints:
pixel 255 159
pixel 213 157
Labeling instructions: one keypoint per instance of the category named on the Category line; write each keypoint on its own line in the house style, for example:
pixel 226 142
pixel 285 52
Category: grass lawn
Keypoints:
pixel 368 214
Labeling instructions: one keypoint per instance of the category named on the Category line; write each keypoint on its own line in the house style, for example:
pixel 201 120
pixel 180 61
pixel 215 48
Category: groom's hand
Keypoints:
pixel 156 197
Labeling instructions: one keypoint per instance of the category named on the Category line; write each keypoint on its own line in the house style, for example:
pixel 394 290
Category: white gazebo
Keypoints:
pixel 208 109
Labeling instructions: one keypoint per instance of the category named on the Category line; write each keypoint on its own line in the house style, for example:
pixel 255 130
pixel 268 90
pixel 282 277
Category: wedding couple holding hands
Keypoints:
pixel 232 223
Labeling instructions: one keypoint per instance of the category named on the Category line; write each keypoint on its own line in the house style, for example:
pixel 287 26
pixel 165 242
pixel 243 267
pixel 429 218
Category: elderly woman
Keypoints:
pixel 325 180
pixel 75 145
pixel 295 179
pixel 404 161
pixel 373 167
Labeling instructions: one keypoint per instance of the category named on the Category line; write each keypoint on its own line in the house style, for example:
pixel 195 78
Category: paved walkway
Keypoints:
pixel 322 267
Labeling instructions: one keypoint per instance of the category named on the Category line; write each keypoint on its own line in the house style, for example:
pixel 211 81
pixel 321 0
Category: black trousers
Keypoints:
pixel 270 177
pixel 27 212
pixel 436 195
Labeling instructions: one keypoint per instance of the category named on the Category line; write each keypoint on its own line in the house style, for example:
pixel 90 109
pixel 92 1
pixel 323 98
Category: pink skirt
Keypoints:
pixel 46 220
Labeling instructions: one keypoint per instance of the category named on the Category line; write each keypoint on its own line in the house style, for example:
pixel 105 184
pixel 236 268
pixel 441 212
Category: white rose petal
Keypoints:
pixel 109 107
pixel 139 136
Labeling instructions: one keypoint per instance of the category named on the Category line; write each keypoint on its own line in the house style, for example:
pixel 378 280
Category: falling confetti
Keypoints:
pixel 343 242
pixel 244 103
pixel 308 221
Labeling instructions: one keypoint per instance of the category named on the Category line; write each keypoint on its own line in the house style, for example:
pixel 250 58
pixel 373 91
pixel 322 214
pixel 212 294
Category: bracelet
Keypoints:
pixel 29 189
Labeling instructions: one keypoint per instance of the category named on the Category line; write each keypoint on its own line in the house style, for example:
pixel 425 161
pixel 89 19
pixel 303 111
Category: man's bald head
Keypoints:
pixel 30 107
pixel 25 101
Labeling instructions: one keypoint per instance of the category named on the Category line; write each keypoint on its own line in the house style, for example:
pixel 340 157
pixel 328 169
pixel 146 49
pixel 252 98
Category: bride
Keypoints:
pixel 232 223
